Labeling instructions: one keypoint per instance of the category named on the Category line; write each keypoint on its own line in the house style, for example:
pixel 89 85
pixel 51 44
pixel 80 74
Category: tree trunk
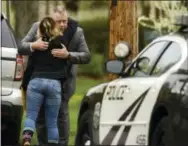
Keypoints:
pixel 47 7
pixel 56 3
pixel 7 10
pixel 72 5
pixel 26 13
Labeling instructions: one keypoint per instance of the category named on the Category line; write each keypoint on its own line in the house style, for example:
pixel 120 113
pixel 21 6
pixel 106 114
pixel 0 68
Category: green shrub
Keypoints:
pixel 95 68
pixel 97 34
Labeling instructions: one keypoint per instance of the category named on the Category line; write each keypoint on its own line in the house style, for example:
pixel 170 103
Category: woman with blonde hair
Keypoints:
pixel 48 73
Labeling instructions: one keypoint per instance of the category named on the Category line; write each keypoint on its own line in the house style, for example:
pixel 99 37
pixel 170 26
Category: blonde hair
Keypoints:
pixel 48 27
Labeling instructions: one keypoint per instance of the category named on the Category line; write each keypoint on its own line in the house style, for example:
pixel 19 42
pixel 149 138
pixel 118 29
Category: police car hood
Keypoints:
pixel 97 89
pixel 100 88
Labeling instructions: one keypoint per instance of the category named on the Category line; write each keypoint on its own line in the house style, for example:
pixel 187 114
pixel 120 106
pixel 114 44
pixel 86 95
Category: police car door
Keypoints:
pixel 124 97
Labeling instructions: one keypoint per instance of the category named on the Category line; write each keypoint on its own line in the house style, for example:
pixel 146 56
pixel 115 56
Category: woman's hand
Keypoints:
pixel 39 45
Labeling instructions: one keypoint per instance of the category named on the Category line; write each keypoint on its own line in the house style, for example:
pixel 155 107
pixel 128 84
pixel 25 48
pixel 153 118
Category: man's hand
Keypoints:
pixel 60 53
pixel 39 45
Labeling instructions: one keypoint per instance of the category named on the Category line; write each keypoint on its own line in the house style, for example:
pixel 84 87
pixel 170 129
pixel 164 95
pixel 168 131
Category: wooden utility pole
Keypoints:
pixel 123 26
pixel 47 7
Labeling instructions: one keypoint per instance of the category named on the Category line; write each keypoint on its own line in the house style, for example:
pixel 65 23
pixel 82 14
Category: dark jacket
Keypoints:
pixel 45 65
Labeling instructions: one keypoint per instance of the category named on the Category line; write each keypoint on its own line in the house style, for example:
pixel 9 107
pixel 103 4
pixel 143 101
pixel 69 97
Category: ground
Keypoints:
pixel 83 84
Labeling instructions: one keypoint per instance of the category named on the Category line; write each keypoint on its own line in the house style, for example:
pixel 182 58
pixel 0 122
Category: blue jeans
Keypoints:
pixel 48 91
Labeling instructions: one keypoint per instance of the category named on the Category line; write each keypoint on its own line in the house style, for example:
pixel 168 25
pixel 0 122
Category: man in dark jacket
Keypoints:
pixel 76 53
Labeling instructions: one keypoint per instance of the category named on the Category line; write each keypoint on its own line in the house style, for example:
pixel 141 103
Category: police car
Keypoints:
pixel 148 103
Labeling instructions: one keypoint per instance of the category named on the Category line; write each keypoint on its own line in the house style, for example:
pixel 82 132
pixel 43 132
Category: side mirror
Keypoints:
pixel 122 50
pixel 114 66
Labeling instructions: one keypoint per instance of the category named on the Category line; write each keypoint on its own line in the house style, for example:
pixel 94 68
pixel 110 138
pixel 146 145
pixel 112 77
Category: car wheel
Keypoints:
pixel 84 132
pixel 159 136
pixel 11 135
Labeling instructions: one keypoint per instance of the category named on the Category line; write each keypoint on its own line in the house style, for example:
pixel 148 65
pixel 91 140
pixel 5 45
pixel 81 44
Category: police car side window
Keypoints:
pixel 170 57
pixel 6 37
pixel 142 66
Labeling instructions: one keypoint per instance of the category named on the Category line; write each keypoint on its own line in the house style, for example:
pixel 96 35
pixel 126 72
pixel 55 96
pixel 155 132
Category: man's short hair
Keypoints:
pixel 59 9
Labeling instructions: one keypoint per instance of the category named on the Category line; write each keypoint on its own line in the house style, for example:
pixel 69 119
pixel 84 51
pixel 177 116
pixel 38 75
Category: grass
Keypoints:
pixel 82 85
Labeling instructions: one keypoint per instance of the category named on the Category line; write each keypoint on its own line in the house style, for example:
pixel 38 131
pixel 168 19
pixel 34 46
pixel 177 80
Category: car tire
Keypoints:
pixel 84 132
pixel 11 136
pixel 160 134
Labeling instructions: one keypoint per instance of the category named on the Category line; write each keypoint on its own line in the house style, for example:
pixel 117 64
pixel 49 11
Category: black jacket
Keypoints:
pixel 45 65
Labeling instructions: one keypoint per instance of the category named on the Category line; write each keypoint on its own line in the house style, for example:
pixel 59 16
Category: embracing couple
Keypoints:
pixel 54 46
